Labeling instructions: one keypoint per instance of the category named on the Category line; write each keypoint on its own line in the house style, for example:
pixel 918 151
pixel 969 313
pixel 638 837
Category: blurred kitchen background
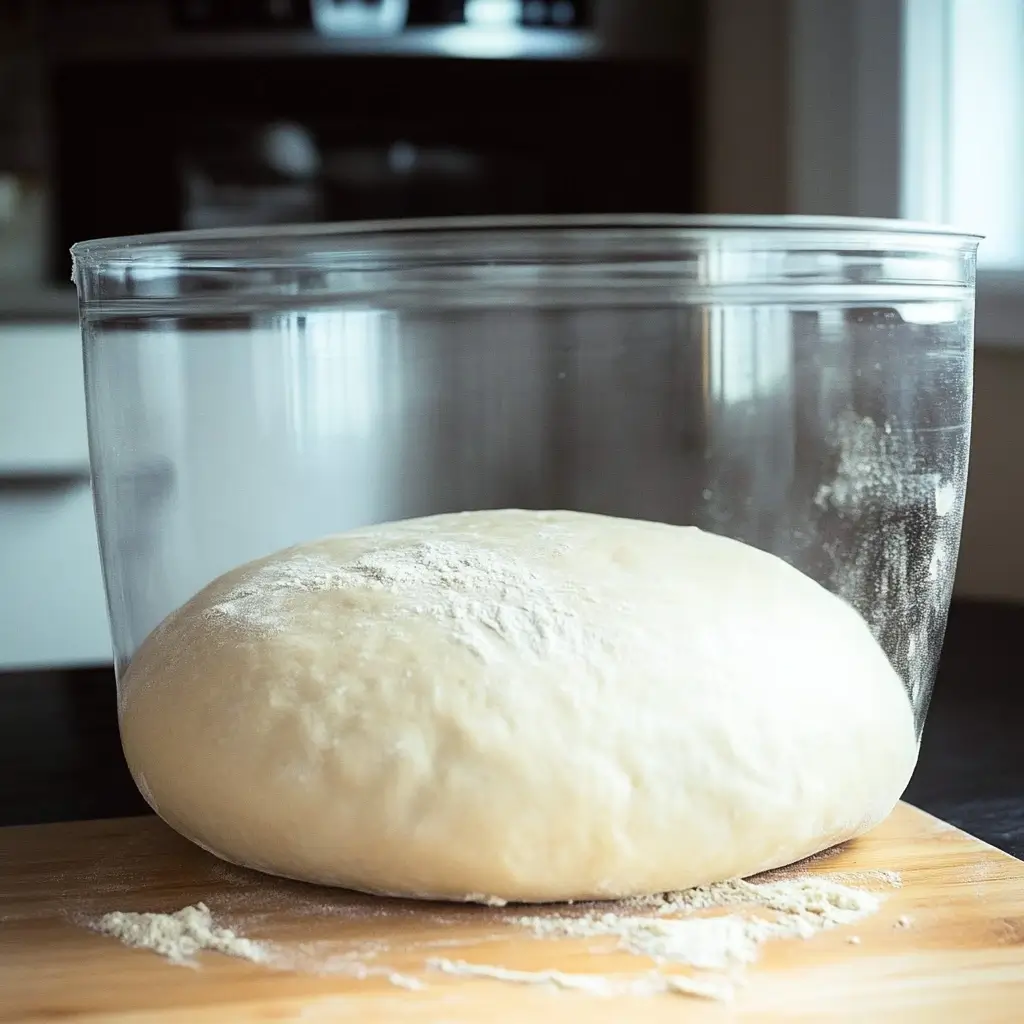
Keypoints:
pixel 127 116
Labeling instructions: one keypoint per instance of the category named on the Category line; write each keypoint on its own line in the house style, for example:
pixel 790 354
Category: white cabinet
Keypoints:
pixel 42 400
pixel 52 609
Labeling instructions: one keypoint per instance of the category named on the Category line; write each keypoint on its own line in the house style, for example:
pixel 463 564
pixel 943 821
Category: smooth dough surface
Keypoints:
pixel 520 705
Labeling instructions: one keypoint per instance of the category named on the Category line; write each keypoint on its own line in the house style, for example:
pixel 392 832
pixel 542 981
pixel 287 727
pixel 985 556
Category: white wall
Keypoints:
pixel 52 610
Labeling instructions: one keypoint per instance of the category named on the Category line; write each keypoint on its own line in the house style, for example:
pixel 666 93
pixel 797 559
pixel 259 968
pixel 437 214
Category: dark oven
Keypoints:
pixel 207 113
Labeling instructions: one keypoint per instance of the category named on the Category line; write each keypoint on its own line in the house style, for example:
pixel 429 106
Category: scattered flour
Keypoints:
pixel 706 942
pixel 406 982
pixel 668 929
pixel 593 984
pixel 802 907
pixel 893 879
pixel 817 899
pixel 179 936
pixel 487 901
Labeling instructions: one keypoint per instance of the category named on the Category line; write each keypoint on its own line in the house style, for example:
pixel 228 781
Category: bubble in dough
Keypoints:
pixel 517 705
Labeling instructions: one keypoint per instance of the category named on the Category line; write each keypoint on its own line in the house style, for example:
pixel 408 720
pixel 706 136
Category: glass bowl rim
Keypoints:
pixel 179 248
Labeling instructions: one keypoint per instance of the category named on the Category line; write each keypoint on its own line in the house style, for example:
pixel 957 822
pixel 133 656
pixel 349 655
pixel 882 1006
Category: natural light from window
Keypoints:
pixel 963 106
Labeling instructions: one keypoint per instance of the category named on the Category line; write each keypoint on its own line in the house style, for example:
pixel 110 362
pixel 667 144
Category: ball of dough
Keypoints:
pixel 517 705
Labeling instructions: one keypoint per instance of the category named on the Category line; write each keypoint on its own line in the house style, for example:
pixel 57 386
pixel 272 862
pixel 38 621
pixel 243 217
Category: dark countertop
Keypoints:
pixel 61 758
pixel 971 769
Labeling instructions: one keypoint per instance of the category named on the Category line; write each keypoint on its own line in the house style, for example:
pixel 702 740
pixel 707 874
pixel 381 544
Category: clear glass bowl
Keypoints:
pixel 803 385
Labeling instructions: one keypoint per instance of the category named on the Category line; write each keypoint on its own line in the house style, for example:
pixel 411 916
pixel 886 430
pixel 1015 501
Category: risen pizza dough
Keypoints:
pixel 518 705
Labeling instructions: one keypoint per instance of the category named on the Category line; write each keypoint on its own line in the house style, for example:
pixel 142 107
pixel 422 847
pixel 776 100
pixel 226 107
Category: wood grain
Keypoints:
pixel 960 957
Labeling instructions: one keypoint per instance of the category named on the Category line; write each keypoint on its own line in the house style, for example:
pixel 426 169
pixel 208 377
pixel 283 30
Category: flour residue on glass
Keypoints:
pixel 894 540
pixel 874 462
pixel 490 600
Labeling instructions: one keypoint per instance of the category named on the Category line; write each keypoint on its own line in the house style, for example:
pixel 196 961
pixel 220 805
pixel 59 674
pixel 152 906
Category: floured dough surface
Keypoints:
pixel 517 705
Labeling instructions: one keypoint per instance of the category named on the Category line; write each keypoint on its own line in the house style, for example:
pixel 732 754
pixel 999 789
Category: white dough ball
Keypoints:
pixel 518 705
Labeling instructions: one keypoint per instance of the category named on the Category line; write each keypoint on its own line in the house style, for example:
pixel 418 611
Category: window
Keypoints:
pixel 962 141
pixel 963 121
pixel 894 108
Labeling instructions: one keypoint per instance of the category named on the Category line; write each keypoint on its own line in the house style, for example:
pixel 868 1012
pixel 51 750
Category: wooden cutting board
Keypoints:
pixel 956 955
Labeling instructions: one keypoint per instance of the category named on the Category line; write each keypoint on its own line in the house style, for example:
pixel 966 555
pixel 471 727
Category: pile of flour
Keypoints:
pixel 179 936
